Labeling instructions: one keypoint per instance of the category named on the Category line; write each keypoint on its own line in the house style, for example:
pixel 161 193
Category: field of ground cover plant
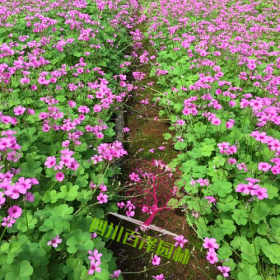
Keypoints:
pixel 60 68
pixel 217 66
pixel 199 85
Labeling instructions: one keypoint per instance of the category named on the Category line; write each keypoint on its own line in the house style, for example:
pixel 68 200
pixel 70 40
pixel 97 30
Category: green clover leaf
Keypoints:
pixel 56 224
pixel 226 204
pixel 195 152
pixel 240 216
pixel 79 241
pixel 249 272
pixel 272 251
pixel 20 271
pixel 249 254
pixel 33 253
pixel 180 145
pixel 30 168
pixel 62 210
pixel 224 252
pixel 9 251
pixel 222 188
pixel 25 223
pixel 238 242
pixel 50 196
pixel 227 227
pixel 68 192
pixel 259 212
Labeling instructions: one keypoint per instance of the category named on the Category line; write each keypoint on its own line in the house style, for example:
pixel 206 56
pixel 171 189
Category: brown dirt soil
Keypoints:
pixel 146 133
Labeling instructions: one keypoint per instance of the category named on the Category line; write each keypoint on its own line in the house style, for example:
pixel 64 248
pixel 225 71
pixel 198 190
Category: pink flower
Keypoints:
pixel 72 87
pixel 161 148
pixel 102 198
pixel 33 87
pixel 65 143
pixel 230 124
pixel 210 199
pixel 241 188
pixel 34 181
pixel 8 221
pixel 116 274
pixel 138 75
pixel 231 150
pixel 30 111
pixel 15 211
pixel 50 162
pixel 232 161
pixel 59 166
pixel 14 190
pixel 24 80
pixel 19 110
pixel 203 182
pixel 262 137
pixel 24 184
pixel 210 243
pixel 242 166
pixel 129 212
pixel 145 209
pixel 216 121
pixel 71 103
pixel 94 267
pixel 83 109
pixel 181 122
pixel 159 277
pixel 59 176
pixel 225 147
pixel 43 115
pixel 121 204
pixel 45 128
pixel 126 129
pixel 180 241
pixel 252 180
pixel 55 241
pixel 29 197
pixel 97 108
pixel 264 166
pixel 156 260
pixel 261 193
pixel 92 186
pixel 2 199
pixel 134 177
pixel 275 169
pixel 212 257
pixel 129 205
pixel 95 255
pixel 67 160
pixel 224 270
pixel 175 190
pixel 103 188
pixel 42 80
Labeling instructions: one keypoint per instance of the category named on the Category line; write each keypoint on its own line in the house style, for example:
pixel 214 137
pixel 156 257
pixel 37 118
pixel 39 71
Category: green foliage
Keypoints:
pixel 249 272
pixel 247 228
pixel 60 208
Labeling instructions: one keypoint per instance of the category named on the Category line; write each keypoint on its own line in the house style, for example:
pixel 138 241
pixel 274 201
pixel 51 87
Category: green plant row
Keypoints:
pixel 59 90
pixel 202 119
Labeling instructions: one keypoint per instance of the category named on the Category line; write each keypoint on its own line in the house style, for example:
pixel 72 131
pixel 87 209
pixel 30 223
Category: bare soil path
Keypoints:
pixel 146 129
